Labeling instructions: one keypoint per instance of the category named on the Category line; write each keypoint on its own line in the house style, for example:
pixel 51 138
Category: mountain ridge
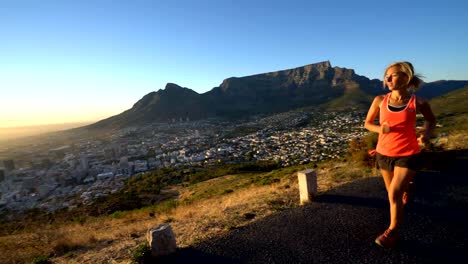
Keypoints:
pixel 313 85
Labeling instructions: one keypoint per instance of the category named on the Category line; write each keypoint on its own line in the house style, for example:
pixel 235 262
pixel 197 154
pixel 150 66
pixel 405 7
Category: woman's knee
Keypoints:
pixel 395 194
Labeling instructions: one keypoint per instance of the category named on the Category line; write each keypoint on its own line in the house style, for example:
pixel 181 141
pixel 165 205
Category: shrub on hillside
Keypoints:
pixel 204 174
pixel 79 219
pixel 166 206
pixel 142 254
pixel 146 183
pixel 42 260
pixel 261 166
pixel 120 201
pixel 359 148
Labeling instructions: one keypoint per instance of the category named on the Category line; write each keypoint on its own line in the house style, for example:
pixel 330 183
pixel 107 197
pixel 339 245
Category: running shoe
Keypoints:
pixel 388 239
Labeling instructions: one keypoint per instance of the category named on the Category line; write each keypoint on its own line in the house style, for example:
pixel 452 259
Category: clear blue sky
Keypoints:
pixel 72 60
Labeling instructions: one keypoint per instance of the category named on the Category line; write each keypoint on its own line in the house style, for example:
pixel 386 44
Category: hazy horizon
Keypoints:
pixel 9 133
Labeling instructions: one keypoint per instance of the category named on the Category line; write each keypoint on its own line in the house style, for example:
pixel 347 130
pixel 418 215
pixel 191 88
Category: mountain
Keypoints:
pixel 314 85
pixel 172 103
pixel 279 91
pixel 437 88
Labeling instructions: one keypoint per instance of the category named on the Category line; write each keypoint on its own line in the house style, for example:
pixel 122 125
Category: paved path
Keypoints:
pixel 340 227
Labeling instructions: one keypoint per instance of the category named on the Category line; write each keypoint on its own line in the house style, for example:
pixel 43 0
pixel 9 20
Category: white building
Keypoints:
pixel 105 175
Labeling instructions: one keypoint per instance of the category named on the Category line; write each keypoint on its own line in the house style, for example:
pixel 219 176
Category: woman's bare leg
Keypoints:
pixel 399 184
pixel 387 176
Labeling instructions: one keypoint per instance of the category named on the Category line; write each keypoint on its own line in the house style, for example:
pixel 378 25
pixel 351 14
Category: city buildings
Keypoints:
pixel 53 177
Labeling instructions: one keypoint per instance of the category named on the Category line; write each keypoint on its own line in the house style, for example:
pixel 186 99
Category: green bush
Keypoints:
pixel 142 254
pixel 79 219
pixel 261 166
pixel 195 176
pixel 167 206
pixel 42 260
pixel 227 191
pixel 267 180
pixel 117 214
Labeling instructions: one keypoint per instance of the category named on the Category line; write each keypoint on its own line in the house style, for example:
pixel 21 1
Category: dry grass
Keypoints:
pixel 455 140
pixel 109 240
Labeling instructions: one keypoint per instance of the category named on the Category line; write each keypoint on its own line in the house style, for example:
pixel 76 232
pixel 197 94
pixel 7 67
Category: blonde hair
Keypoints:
pixel 414 80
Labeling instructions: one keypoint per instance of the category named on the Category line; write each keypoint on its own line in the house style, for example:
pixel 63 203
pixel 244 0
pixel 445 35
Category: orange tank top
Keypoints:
pixel 401 141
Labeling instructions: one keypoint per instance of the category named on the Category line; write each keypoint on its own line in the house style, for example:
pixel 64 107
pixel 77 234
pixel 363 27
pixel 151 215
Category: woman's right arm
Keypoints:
pixel 372 114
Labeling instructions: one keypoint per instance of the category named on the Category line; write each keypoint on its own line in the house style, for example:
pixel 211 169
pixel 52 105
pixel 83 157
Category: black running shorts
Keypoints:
pixel 412 162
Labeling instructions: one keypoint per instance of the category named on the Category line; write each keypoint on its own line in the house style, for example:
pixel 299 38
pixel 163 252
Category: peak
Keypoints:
pixel 172 86
pixel 326 64
pixel 174 89
pixel 321 66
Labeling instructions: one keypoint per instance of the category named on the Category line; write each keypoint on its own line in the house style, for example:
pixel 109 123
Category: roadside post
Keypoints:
pixel 307 185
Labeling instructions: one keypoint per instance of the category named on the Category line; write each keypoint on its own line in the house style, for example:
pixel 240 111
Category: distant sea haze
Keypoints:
pixel 24 131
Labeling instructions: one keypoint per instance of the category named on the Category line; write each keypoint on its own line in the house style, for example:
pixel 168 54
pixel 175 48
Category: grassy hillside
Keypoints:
pixel 451 110
pixel 355 99
pixel 196 211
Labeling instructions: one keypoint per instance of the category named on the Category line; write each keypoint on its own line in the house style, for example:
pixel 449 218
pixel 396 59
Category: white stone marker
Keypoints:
pixel 307 185
pixel 161 240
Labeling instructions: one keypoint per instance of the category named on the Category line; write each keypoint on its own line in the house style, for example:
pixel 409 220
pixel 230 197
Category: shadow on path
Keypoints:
pixel 191 255
pixel 352 200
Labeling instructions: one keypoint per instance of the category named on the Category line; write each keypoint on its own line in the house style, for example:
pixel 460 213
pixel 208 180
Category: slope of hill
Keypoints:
pixel 356 100
pixel 172 103
pixel 208 211
pixel 451 109
pixel 198 212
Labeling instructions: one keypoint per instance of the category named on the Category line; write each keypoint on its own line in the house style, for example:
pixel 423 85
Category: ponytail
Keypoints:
pixel 415 82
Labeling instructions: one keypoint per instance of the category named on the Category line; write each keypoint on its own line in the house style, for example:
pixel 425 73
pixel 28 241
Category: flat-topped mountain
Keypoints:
pixel 312 85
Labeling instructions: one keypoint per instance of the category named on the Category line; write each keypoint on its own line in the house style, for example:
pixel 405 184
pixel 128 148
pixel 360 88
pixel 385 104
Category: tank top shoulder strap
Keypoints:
pixel 385 99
